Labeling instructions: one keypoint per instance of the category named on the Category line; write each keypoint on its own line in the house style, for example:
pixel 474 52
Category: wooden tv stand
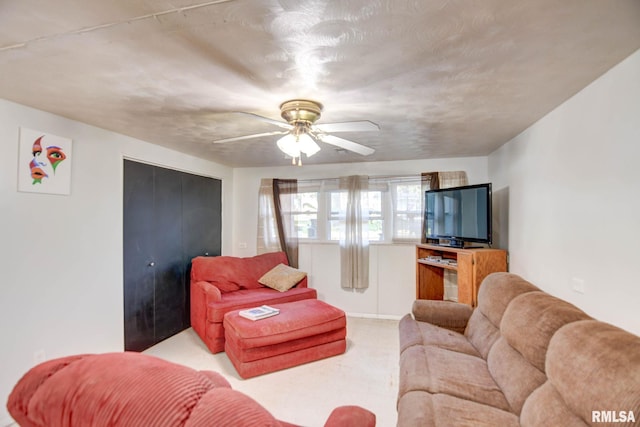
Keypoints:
pixel 473 265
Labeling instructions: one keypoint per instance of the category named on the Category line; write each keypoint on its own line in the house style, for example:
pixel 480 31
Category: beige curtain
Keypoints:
pixel 354 244
pixel 268 240
pixel 452 179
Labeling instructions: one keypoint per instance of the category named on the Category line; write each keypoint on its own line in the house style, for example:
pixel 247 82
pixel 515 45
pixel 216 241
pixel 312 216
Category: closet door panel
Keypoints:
pixel 201 216
pixel 170 296
pixel 138 238
pixel 201 223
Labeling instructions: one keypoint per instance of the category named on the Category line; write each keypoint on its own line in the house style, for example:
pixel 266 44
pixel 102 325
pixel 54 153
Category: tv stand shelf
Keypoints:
pixel 471 264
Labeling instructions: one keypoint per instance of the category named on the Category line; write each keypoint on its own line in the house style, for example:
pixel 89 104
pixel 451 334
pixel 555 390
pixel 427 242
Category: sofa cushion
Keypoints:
pixel 236 347
pixel 224 286
pixel 245 298
pixel 603 375
pixel 420 409
pixel 296 320
pixel 545 407
pixel 516 360
pixel 516 377
pixel 437 370
pixel 531 320
pixel 282 277
pixel 413 332
pixel 481 333
pixel 230 273
pixel 495 294
pixel 497 291
pixel 223 407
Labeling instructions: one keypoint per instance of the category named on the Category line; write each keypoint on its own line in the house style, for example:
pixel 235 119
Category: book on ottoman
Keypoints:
pixel 258 313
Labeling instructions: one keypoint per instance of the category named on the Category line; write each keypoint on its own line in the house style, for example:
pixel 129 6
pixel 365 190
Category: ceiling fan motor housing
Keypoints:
pixel 300 110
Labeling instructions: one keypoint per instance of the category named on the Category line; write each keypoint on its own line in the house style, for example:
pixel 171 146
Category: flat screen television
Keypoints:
pixel 459 214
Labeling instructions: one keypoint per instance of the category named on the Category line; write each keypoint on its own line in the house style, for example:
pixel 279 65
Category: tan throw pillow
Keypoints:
pixel 282 277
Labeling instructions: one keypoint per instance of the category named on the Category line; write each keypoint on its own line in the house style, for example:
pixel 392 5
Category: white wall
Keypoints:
pixel 61 256
pixel 570 184
pixel 391 267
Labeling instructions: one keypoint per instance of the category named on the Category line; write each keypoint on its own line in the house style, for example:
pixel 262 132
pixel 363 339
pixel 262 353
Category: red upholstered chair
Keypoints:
pixel 222 284
pixel 134 389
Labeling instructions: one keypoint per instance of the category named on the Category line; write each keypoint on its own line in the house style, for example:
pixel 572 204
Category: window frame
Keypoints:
pixel 388 213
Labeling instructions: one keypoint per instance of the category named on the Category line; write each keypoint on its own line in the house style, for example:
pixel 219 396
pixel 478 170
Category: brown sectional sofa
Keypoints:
pixel 522 357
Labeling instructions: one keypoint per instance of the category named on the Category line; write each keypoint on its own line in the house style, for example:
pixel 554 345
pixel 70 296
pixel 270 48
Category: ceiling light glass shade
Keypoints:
pixel 307 145
pixel 293 148
pixel 288 145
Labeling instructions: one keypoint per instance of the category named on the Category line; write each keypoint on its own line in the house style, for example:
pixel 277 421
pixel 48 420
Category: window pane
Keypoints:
pixel 407 219
pixel 407 226
pixel 337 229
pixel 408 197
pixel 305 202
pixel 372 201
pixel 306 225
pixel 338 204
pixel 375 230
pixel 305 214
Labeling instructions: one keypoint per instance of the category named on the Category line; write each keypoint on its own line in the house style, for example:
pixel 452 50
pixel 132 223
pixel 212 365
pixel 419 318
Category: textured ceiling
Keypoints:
pixel 442 78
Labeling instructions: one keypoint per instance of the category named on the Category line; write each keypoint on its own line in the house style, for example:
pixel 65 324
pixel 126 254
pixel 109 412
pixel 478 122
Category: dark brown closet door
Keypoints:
pixel 169 217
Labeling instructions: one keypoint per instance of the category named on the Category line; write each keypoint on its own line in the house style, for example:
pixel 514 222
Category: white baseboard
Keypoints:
pixel 375 316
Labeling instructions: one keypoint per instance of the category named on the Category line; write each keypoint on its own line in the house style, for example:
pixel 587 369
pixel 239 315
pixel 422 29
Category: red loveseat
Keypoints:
pixel 222 284
pixel 134 389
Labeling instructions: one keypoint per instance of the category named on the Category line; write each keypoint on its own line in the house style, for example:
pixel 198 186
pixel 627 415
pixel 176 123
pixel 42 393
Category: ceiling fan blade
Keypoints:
pixel 358 126
pixel 346 144
pixel 255 135
pixel 278 123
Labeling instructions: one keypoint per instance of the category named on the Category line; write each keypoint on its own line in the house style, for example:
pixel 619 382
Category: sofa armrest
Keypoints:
pixel 211 292
pixel 303 283
pixel 351 416
pixel 202 294
pixel 446 314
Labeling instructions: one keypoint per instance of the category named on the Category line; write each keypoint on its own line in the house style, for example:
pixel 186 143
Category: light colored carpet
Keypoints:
pixel 366 375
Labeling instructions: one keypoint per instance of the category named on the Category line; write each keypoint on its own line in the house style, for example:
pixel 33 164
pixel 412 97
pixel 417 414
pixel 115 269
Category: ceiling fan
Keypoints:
pixel 301 134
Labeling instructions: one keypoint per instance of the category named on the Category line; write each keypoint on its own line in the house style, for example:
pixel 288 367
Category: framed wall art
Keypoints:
pixel 44 162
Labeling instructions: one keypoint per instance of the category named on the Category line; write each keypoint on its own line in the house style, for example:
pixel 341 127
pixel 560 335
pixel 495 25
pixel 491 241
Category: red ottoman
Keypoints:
pixel 304 331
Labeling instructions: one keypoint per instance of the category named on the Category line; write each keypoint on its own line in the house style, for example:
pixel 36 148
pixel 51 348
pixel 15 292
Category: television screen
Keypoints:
pixel 459 214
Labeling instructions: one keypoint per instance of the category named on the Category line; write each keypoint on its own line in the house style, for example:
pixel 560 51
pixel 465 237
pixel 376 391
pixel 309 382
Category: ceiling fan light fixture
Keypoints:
pixel 302 134
pixel 296 145
pixel 289 146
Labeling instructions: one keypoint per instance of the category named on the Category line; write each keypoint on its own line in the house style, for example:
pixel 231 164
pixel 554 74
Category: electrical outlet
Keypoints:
pixel 39 356
pixel 242 245
pixel 577 285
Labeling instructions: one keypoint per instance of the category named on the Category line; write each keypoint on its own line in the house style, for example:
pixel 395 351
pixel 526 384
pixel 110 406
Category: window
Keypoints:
pixel 394 205
pixel 372 201
pixel 407 210
pixel 305 214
